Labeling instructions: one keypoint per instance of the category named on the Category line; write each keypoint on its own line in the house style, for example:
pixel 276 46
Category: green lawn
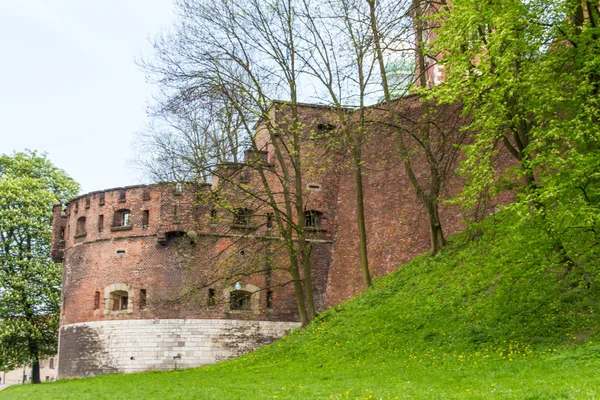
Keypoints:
pixel 573 374
pixel 497 315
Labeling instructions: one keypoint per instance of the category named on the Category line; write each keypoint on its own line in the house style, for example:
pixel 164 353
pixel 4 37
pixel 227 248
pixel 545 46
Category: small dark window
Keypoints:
pixel 76 206
pixel 145 218
pixel 87 202
pixel 313 219
pixel 178 189
pixel 80 226
pixel 61 234
pixel 51 363
pixel 122 218
pixel 47 378
pixel 101 199
pixel 212 297
pixel 241 216
pixel 122 195
pixel 213 215
pixel 239 300
pixel 245 177
pixel 96 300
pixel 142 299
pixel 176 213
pixel 270 300
pixel 100 223
pixel 270 218
pixel 325 128
pixel 146 194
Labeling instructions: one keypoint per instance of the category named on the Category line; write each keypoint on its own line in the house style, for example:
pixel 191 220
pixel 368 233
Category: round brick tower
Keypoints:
pixel 145 283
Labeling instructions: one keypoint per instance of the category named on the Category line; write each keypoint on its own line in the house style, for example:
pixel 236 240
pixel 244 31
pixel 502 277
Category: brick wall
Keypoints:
pixel 181 253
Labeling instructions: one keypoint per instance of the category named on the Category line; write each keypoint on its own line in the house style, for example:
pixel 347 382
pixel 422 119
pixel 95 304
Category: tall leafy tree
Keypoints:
pixel 530 73
pixel 29 280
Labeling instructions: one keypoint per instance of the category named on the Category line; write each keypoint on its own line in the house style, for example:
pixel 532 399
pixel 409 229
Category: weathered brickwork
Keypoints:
pixel 151 273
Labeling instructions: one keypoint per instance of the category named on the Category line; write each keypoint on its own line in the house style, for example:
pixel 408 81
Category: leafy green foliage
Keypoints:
pixel 29 280
pixel 528 72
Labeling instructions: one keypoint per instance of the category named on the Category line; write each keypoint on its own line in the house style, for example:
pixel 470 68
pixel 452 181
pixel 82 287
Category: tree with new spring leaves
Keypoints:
pixel 530 73
pixel 29 280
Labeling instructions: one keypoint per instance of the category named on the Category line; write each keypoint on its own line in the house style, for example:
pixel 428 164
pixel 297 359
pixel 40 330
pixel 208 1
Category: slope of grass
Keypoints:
pixel 500 314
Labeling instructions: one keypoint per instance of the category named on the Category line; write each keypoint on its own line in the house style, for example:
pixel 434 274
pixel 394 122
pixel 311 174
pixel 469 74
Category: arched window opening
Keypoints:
pixel 239 300
pixel 122 218
pixel 313 219
pixel 119 300
pixel 80 229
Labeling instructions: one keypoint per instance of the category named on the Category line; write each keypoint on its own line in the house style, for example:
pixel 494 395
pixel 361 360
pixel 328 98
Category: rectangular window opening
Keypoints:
pixel 122 195
pixel 176 214
pixel 142 299
pixel 124 301
pixel 96 300
pixel 145 218
pixel 269 300
pixel 101 199
pixel 212 297
pixel 100 223
pixel 270 218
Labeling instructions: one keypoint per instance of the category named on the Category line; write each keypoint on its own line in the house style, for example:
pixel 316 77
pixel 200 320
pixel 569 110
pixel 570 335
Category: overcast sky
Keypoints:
pixel 69 85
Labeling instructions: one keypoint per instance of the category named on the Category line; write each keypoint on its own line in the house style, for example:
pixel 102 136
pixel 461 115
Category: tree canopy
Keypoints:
pixel 30 282
pixel 529 71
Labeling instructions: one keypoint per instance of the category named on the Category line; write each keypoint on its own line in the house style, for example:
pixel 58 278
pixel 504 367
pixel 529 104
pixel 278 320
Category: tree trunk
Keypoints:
pixel 436 233
pixel 308 289
pixel 35 367
pixel 298 292
pixel 360 215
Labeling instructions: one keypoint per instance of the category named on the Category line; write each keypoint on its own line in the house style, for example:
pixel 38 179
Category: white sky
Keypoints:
pixel 69 85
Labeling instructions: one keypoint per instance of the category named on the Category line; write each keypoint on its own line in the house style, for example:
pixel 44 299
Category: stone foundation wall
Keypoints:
pixel 101 347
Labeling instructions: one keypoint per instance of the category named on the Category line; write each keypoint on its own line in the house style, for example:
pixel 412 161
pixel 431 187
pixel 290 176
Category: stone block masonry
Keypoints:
pixel 94 348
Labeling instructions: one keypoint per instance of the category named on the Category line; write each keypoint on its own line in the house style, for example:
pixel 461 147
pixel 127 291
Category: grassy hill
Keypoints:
pixel 503 312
